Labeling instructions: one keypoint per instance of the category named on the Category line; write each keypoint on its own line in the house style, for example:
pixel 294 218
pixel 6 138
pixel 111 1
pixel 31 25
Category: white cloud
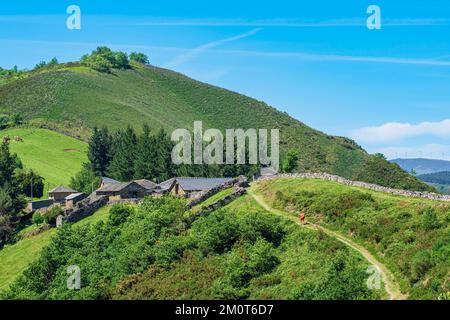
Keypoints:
pixel 395 131
pixel 428 151
pixel 210 45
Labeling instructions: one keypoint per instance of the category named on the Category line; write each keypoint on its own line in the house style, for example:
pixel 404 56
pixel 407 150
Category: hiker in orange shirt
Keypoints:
pixel 302 217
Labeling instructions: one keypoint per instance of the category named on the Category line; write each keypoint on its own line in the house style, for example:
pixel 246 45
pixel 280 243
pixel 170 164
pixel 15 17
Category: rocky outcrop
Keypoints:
pixel 374 187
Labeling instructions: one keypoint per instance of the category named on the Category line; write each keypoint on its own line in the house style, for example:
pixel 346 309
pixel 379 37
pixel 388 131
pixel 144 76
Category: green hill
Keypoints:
pixel 74 98
pixel 54 156
pixel 410 235
pixel 438 177
pixel 15 258
pixel 243 250
pixel 238 252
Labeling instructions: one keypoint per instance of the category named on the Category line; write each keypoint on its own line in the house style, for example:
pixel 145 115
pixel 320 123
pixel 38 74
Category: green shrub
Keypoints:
pixel 246 262
pixel 430 219
pixel 103 59
pixel 37 218
pixel 342 281
pixel 139 57
pixel 421 262
pixel 216 232
pixel 256 225
pixel 51 214
pixel 119 213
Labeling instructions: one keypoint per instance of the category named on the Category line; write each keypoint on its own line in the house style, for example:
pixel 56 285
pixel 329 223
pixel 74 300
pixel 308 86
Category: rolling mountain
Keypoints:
pixel 423 166
pixel 439 180
pixel 438 177
pixel 74 99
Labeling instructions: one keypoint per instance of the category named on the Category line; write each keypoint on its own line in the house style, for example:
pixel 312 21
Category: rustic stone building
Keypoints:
pixel 60 193
pixel 123 190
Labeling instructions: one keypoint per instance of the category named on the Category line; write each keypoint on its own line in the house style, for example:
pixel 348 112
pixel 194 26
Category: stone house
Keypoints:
pixel 73 199
pixel 150 186
pixel 38 205
pixel 60 193
pixel 106 180
pixel 190 187
pixel 123 190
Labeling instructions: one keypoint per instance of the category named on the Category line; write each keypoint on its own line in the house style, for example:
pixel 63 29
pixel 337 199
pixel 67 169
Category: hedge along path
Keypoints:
pixel 390 284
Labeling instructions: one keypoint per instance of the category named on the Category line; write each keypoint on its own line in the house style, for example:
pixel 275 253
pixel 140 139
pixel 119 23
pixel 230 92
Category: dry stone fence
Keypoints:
pixel 240 181
pixel 85 208
pixel 374 187
pixel 237 192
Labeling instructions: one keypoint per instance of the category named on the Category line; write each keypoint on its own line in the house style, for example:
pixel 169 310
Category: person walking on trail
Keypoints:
pixel 302 217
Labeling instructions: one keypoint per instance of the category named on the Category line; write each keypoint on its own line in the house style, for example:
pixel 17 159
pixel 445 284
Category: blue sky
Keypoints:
pixel 388 89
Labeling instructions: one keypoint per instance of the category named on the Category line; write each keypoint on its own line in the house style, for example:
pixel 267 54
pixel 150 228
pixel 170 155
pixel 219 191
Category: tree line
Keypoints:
pixel 103 59
pixel 16 183
pixel 126 155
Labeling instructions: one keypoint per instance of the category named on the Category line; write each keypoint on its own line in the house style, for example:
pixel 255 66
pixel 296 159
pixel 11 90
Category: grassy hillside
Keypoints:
pixel 54 156
pixel 239 251
pixel 411 235
pixel 74 97
pixel 16 258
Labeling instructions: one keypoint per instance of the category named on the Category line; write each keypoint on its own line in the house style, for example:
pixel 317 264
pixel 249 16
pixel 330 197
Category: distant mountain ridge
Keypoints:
pixel 442 177
pixel 423 166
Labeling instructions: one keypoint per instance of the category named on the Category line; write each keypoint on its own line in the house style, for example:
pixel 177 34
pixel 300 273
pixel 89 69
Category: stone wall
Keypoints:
pixel 240 182
pixel 374 187
pixel 238 191
pixel 85 208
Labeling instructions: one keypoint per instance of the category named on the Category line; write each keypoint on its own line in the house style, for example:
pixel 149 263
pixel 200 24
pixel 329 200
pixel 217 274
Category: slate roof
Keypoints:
pixel 195 184
pixel 74 196
pixel 147 184
pixel 115 187
pixel 106 180
pixel 62 189
pixel 164 186
pixel 268 171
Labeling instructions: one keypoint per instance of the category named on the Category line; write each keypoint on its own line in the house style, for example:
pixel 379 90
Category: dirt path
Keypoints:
pixel 388 278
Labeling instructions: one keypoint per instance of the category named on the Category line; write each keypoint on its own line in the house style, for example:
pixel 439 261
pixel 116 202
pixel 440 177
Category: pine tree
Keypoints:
pixel 124 152
pixel 99 153
pixel 163 156
pixel 8 163
pixel 144 165
pixel 11 199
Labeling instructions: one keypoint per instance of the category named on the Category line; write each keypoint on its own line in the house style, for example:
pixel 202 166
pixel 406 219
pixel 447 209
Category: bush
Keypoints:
pixel 37 218
pixel 85 180
pixel 430 219
pixel 420 264
pixel 245 262
pixel 51 214
pixel 216 232
pixel 103 59
pixel 30 183
pixel 342 281
pixel 119 214
pixel 139 57
pixel 256 225
pixel 96 62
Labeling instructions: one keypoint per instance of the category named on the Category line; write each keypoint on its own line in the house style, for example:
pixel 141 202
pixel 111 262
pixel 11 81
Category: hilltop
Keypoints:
pixel 74 98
